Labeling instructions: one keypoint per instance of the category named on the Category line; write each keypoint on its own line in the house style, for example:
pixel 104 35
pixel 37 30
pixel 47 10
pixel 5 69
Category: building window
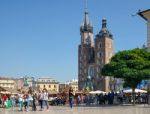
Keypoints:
pixel 54 86
pixel 84 70
pixel 49 86
pixel 109 45
pixel 80 64
pixel 80 71
pixel 85 64
pixel 91 71
pixel 100 45
pixel 44 86
pixel 98 63
pixel 80 58
pixel 102 61
pixel 100 54
pixel 97 69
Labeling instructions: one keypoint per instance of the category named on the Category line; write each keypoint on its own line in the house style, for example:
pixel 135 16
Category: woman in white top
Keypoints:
pixel 30 99
pixel 46 98
pixel 20 98
pixel 41 98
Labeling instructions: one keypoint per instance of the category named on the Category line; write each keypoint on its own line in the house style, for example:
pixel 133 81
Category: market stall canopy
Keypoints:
pixel 97 92
pixel 79 92
pixel 5 90
pixel 136 91
pixel 51 92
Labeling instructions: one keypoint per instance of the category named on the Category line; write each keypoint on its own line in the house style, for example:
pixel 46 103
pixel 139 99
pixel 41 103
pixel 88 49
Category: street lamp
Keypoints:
pixel 146 16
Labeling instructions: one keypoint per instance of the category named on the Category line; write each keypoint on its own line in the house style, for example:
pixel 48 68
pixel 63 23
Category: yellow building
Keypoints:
pixel 7 82
pixel 48 83
pixel 74 84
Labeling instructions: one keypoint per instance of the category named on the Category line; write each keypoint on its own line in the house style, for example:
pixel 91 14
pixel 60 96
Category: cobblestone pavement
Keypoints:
pixel 85 110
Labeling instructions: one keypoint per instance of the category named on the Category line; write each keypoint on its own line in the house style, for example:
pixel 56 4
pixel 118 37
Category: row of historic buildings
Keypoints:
pixel 11 83
pixel 40 83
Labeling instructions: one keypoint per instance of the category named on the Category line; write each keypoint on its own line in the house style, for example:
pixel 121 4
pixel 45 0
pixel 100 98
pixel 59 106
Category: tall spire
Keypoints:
pixel 86 25
pixel 86 7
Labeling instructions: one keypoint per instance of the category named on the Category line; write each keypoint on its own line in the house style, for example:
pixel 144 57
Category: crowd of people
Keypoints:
pixel 110 98
pixel 25 100
pixel 30 98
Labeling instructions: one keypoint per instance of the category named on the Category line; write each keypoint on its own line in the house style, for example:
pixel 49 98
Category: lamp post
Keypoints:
pixel 146 16
pixel 148 92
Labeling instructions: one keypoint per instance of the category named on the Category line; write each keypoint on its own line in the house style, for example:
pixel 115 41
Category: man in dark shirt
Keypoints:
pixel 70 97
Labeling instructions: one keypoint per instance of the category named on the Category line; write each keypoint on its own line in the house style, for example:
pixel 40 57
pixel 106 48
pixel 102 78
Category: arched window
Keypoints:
pixel 100 45
pixel 91 71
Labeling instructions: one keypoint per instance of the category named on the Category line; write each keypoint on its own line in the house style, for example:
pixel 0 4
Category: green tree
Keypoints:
pixel 131 65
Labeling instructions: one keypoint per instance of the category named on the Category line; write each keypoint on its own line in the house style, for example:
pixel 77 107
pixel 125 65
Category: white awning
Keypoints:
pixel 5 92
pixel 97 92
pixel 136 91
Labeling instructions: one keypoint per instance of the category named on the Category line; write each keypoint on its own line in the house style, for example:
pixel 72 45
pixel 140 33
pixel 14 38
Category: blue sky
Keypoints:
pixel 40 38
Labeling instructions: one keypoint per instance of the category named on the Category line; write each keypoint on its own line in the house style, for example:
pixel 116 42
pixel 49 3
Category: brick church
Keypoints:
pixel 93 53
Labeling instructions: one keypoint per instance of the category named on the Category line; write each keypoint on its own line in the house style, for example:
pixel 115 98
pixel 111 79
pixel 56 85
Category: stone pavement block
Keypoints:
pixel 85 110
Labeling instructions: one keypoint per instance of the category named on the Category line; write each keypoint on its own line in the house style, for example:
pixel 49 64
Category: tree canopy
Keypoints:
pixel 131 65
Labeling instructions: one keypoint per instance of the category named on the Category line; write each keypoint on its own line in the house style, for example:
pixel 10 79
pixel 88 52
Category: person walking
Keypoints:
pixel 34 96
pixel 25 97
pixel 46 98
pixel 12 99
pixel 41 98
pixel 30 99
pixel 20 98
pixel 0 101
pixel 70 97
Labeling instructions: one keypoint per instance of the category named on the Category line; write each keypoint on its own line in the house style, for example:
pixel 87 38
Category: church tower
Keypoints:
pixel 103 54
pixel 85 50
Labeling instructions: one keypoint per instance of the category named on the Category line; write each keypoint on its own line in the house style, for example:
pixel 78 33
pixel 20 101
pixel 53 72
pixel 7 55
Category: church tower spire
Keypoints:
pixel 104 32
pixel 86 25
pixel 104 23
pixel 86 29
pixel 85 50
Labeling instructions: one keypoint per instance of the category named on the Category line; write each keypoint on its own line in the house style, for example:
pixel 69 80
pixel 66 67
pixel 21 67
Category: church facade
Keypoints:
pixel 93 53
